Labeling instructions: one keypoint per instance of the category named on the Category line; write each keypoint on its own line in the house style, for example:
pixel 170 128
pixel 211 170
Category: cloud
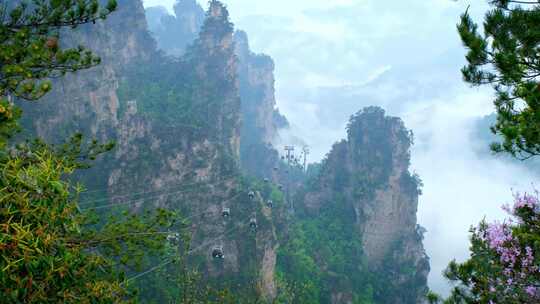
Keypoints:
pixel 460 187
pixel 305 121
pixel 168 4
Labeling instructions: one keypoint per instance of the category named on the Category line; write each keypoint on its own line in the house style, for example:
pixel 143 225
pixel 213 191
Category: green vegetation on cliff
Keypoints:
pixel 325 248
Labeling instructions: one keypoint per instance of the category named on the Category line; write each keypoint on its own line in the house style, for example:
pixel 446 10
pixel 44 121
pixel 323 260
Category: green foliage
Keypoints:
pixel 370 128
pixel 483 137
pixel 212 60
pixel 505 56
pixel 9 117
pixel 371 153
pixel 293 292
pixel 217 23
pixel 503 264
pixel 176 282
pixel 196 93
pixel 324 245
pixel 52 252
pixel 324 253
pixel 433 298
pixel 31 50
pixel 163 91
pixel 401 276
pixel 472 276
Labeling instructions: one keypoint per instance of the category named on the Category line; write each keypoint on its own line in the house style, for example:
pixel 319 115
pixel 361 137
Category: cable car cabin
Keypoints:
pixel 217 252
pixel 173 237
pixel 251 195
pixel 280 187
pixel 226 212
pixel 266 180
pixel 253 223
pixel 275 168
pixel 270 203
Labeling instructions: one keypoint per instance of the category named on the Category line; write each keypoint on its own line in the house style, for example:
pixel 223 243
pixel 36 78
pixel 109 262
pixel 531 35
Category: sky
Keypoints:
pixel 335 57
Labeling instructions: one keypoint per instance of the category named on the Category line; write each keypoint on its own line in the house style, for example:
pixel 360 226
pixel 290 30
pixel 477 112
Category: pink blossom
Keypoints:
pixel 530 290
pixel 498 234
pixel 525 201
pixel 517 261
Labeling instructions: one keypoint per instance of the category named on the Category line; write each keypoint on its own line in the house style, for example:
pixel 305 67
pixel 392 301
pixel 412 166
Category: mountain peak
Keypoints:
pixel 217 10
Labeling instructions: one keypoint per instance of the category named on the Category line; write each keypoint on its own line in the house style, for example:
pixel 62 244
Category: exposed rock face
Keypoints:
pixel 88 100
pixel 93 102
pixel 256 76
pixel 370 170
pixel 261 119
pixel 268 272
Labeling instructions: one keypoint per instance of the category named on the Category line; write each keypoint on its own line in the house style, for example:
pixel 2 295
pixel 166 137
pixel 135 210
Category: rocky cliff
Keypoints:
pixel 176 124
pixel 94 104
pixel 365 192
pixel 261 119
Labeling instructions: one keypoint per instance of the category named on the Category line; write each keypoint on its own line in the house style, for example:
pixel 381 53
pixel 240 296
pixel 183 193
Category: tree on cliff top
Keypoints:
pixel 507 57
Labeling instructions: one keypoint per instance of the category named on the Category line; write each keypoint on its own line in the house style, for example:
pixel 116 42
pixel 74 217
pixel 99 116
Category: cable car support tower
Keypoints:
pixel 289 155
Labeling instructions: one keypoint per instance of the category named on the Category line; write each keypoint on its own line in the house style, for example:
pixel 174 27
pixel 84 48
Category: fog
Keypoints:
pixel 335 57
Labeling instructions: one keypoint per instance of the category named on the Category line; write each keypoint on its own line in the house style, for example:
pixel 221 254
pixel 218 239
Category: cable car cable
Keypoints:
pixel 134 201
pixel 178 183
pixel 146 192
pixel 141 200
pixel 172 260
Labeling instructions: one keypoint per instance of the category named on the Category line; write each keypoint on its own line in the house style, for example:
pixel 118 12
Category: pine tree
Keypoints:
pixel 507 57
pixel 31 50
